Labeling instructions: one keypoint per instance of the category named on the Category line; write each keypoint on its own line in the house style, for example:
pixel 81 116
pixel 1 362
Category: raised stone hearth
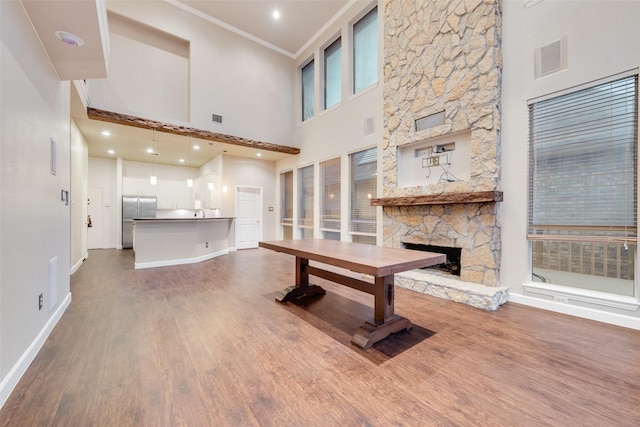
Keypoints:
pixel 453 289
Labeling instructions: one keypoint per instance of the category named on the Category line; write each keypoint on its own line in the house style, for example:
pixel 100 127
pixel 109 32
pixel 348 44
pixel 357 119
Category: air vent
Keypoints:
pixel 368 126
pixel 216 118
pixel 550 58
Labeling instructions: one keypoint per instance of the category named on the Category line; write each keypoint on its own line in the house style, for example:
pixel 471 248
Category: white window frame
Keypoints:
pixel 567 294
pixel 351 50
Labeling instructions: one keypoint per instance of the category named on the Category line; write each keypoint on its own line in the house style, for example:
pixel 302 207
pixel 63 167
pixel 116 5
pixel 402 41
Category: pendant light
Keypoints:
pixel 189 180
pixel 154 179
pixel 210 158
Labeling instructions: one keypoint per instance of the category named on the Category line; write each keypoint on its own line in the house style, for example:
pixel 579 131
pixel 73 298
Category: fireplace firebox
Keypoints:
pixel 451 266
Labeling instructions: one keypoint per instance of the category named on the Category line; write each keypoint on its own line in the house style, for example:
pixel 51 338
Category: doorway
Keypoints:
pixel 248 213
pixel 94 211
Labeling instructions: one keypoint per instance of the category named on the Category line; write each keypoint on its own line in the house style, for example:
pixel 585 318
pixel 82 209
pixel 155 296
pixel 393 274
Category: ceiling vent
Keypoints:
pixel 216 118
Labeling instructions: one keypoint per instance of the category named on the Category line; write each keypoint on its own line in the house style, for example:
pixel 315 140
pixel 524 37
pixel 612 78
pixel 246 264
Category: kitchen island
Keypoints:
pixel 159 242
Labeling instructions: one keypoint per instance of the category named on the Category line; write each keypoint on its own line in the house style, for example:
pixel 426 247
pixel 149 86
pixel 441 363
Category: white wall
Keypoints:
pixel 246 172
pixel 148 74
pixel 602 40
pixel 171 190
pixel 34 222
pixel 79 180
pixel 246 83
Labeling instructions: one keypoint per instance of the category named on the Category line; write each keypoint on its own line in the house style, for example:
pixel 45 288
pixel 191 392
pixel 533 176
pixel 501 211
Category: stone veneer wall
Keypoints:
pixel 445 55
pixel 471 227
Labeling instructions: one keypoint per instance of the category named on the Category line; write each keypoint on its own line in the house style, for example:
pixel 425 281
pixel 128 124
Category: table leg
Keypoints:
pixel 302 286
pixel 384 322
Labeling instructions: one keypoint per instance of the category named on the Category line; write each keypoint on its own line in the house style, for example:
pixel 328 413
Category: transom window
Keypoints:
pixel 333 74
pixel 365 51
pixel 308 99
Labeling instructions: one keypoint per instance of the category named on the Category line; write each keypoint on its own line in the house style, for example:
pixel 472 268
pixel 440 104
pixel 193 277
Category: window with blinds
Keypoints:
pixel 330 195
pixel 363 185
pixel 308 99
pixel 286 198
pixel 305 198
pixel 583 182
pixel 333 74
pixel 365 51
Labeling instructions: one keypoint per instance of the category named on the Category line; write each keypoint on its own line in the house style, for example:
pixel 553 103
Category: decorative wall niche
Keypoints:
pixel 445 158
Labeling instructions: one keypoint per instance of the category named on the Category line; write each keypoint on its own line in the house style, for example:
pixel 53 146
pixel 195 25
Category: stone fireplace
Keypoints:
pixel 441 141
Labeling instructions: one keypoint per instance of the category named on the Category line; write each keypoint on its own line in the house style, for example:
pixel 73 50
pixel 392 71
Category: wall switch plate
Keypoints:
pixel 40 301
pixel 434 161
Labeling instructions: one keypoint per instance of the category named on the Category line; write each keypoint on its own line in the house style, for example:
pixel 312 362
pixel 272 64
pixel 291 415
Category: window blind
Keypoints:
pixel 305 196
pixel 365 51
pixel 286 196
pixel 582 165
pixel 363 180
pixel 333 74
pixel 307 76
pixel 330 195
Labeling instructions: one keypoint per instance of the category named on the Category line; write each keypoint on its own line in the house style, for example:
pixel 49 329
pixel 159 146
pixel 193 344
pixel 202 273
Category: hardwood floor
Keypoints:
pixel 207 345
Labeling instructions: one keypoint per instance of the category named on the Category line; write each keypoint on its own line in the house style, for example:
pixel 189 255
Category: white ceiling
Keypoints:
pixel 299 24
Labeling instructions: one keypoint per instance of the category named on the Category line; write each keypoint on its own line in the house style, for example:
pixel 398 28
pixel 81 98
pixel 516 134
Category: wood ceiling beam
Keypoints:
pixel 124 119
pixel 440 199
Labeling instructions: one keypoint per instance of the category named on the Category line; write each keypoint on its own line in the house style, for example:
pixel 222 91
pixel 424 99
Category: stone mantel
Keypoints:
pixel 440 199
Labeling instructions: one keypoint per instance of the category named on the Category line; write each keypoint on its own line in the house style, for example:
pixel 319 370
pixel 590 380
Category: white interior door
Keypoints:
pixel 94 211
pixel 248 227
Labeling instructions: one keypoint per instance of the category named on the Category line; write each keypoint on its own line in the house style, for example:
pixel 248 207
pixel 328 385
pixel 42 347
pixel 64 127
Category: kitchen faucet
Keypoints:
pixel 196 212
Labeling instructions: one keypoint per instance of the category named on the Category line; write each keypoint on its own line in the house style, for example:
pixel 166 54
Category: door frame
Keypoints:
pixel 260 215
pixel 98 222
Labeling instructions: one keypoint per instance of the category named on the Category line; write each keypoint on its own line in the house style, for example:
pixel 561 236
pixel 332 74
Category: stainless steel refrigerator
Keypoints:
pixel 135 207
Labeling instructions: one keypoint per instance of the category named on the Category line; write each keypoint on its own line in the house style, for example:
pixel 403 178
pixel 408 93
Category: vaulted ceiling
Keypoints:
pixel 297 26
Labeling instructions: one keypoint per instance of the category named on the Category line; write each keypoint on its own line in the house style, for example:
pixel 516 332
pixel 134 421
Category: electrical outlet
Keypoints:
pixel 40 301
pixel 434 161
pixel 206 245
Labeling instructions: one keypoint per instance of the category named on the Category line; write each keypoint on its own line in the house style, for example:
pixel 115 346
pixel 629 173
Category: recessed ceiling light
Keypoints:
pixel 259 154
pixel 111 152
pixel 150 150
pixel 276 14
pixel 196 147
pixel 106 133
pixel 69 38
pixel 181 160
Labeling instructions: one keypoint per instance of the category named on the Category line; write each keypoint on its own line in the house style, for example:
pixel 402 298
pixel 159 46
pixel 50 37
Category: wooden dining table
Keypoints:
pixel 379 262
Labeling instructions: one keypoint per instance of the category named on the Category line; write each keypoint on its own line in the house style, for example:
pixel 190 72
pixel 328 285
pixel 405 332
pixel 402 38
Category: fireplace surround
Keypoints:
pixel 443 61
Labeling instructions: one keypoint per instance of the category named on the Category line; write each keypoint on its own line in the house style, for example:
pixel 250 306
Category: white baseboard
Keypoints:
pixel 167 263
pixel 75 267
pixel 573 310
pixel 10 381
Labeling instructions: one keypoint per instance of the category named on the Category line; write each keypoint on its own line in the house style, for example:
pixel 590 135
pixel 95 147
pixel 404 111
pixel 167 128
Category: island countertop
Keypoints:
pixel 182 219
pixel 159 242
